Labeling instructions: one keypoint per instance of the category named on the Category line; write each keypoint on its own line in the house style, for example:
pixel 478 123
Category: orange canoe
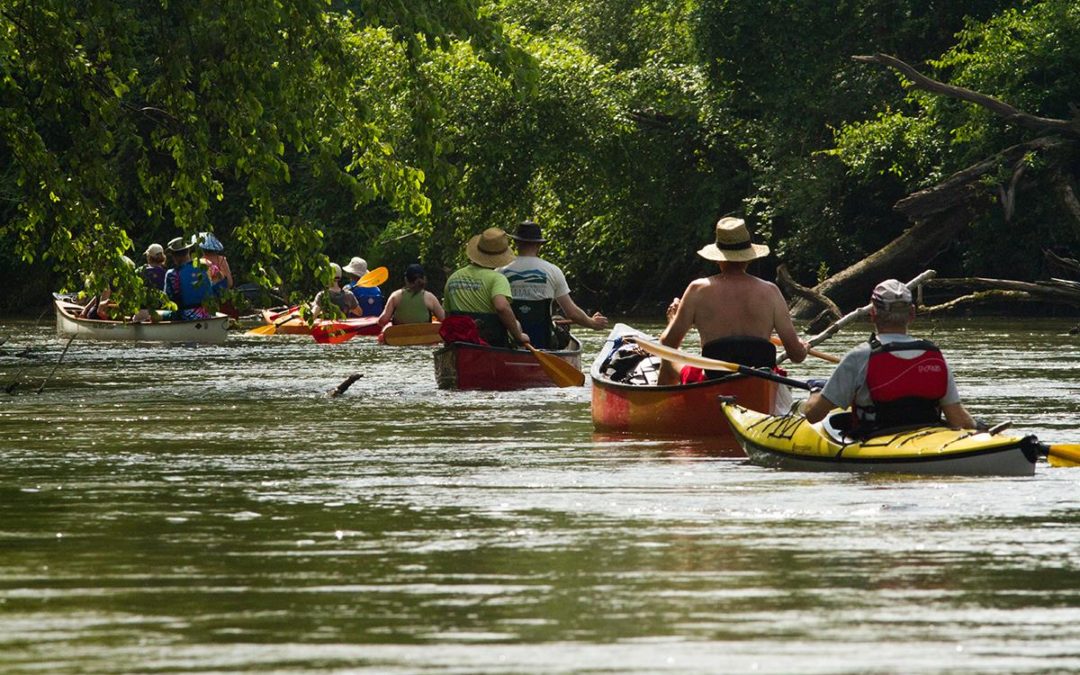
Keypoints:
pixel 638 405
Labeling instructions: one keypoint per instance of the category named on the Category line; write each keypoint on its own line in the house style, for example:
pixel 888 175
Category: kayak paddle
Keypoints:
pixel 1062 455
pixel 831 358
pixel 375 277
pixel 271 328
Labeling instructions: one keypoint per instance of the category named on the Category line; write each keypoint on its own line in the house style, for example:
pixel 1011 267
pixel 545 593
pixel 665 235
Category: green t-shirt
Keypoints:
pixel 472 290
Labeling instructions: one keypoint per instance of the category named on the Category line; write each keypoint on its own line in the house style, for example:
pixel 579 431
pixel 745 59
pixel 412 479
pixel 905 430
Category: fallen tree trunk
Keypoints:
pixel 979 291
pixel 1060 265
pixel 911 250
pixel 939 213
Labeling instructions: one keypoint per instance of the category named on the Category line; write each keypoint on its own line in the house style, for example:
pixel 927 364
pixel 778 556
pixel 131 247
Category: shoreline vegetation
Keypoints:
pixel 860 142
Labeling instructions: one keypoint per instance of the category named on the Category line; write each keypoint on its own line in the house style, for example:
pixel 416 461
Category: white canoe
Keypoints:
pixel 70 324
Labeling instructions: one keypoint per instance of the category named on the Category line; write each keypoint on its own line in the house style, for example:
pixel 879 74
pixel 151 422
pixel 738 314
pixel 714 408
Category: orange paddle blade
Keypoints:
pixel 560 372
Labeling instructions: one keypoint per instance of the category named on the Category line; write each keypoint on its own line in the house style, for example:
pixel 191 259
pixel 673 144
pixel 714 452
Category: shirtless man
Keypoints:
pixel 735 313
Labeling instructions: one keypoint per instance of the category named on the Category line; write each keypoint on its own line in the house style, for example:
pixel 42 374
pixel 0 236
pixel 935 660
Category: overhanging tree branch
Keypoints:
pixel 1000 108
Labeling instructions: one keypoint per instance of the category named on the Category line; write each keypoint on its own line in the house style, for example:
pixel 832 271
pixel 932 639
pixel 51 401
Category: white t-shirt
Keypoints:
pixel 533 278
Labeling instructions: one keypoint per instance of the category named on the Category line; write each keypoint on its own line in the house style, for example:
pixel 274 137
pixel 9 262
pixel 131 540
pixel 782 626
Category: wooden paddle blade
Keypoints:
pixel 402 334
pixel 1061 455
pixel 375 277
pixel 560 372
pixel 831 358
pixel 679 356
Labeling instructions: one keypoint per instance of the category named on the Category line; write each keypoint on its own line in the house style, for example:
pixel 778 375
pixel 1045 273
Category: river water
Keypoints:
pixel 209 509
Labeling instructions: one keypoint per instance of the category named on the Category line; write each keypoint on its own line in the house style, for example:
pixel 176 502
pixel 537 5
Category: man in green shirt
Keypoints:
pixel 483 294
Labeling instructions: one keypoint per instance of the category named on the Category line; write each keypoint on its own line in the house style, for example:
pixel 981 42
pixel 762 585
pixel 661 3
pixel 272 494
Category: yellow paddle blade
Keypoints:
pixel 1063 455
pixel 375 277
pixel 560 372
pixel 271 328
pixel 402 334
pixel 266 329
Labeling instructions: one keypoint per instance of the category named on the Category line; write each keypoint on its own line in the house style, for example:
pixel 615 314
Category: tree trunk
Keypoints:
pixel 916 247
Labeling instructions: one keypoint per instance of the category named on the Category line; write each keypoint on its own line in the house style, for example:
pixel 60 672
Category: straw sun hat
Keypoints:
pixel 491 249
pixel 733 243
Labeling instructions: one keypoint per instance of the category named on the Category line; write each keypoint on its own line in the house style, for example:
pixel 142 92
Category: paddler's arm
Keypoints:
pixel 506 315
pixel 816 407
pixel 434 306
pixel 795 348
pixel 678 326
pixel 390 307
pixel 596 322
pixel 957 417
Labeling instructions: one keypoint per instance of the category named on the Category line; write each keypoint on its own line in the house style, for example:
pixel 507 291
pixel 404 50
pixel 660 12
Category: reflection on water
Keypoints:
pixel 210 509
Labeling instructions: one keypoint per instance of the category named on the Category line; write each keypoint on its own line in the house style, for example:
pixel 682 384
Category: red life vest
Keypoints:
pixel 904 391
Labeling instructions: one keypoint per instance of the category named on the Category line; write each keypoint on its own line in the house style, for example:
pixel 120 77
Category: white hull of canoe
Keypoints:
pixel 206 331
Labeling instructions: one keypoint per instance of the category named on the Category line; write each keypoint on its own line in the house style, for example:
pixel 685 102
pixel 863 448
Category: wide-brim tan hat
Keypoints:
pixel 491 248
pixel 733 243
pixel 356 267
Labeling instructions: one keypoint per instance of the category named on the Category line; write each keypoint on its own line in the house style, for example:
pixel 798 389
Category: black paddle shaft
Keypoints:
pixel 769 375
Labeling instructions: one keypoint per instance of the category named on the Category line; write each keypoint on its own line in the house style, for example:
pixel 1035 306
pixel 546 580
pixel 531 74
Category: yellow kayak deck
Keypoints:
pixel 791 442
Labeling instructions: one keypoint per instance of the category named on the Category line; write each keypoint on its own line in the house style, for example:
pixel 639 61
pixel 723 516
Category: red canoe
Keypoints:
pixel 673 410
pixel 463 365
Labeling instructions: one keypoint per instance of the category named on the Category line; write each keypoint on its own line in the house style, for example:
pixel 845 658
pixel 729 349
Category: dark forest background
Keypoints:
pixel 307 131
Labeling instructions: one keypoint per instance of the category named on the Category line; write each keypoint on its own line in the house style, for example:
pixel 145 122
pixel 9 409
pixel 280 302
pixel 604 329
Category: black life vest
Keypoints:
pixel 905 392
pixel 745 350
pixel 535 319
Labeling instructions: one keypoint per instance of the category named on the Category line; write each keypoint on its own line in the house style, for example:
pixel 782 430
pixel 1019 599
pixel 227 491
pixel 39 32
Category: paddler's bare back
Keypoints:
pixel 734 304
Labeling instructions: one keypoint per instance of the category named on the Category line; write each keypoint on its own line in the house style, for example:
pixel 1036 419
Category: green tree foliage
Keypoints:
pixel 1028 56
pixel 785 78
pixel 308 128
pixel 125 122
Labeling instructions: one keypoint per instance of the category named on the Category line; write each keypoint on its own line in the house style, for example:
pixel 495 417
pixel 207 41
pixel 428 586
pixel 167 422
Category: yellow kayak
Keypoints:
pixel 790 442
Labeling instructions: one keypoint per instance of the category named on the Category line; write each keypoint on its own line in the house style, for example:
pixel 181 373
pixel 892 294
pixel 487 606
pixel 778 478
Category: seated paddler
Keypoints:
pixel 893 380
pixel 190 287
pixel 734 312
pixel 537 283
pixel 480 294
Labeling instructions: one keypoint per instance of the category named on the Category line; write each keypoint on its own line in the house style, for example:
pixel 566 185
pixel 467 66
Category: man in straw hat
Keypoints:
pixel 535 283
pixel 735 313
pixel 479 292
pixel 893 379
